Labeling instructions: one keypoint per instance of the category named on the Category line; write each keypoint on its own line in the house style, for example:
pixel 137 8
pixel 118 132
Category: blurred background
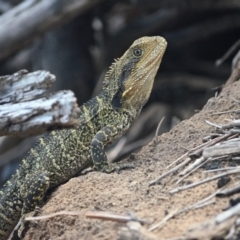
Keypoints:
pixel 78 40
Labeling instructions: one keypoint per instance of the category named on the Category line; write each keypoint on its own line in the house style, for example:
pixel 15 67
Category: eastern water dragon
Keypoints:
pixel 61 155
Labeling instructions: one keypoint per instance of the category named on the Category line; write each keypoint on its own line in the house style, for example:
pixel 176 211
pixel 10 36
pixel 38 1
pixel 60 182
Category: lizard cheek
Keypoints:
pixel 130 93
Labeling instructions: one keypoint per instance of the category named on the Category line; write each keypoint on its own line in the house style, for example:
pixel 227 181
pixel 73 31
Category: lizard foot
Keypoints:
pixel 119 167
pixel 112 167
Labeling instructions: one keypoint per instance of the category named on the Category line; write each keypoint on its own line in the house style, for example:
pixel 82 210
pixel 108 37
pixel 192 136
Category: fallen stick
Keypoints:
pixel 24 111
pixel 90 214
pixel 227 148
pixel 193 166
pixel 229 192
pixel 184 163
pixel 112 217
pixel 193 170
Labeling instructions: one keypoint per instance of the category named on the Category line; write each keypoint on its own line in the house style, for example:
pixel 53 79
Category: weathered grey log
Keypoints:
pixel 23 86
pixel 23 113
pixel 232 124
pixel 31 18
pixel 222 149
pixel 37 116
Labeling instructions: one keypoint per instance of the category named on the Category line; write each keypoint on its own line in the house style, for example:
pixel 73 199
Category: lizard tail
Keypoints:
pixel 10 209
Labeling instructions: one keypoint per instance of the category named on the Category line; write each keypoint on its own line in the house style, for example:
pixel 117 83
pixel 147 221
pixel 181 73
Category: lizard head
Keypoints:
pixel 131 77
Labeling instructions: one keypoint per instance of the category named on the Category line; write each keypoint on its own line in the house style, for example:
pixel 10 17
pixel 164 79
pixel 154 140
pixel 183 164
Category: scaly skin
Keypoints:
pixel 62 155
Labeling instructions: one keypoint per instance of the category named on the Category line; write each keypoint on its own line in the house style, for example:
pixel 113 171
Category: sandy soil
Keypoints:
pixel 129 190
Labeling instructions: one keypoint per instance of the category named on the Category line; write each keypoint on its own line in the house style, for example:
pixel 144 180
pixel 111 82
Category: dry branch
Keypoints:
pixel 229 192
pixel 227 148
pixel 31 18
pixel 22 114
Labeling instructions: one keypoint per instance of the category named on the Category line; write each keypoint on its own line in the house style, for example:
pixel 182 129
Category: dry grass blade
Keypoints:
pixel 54 215
pixel 113 217
pixel 157 131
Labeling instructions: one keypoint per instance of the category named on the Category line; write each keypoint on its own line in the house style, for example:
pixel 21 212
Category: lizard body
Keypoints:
pixel 61 155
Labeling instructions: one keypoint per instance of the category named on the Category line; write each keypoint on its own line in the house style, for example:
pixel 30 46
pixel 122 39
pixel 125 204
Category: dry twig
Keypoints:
pixel 113 217
pixel 193 169
pixel 90 214
pixel 235 171
pixel 184 163
pixel 213 124
pixel 193 166
pixel 229 192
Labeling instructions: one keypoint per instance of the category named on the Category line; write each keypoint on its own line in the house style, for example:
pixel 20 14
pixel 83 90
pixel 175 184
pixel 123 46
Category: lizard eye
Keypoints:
pixel 137 52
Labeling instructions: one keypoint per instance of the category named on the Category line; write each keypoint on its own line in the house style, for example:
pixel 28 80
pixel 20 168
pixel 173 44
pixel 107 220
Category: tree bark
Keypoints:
pixel 21 114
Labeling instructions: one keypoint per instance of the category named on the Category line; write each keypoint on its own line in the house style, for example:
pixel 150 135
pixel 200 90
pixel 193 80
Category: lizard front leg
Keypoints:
pixel 106 135
pixel 32 191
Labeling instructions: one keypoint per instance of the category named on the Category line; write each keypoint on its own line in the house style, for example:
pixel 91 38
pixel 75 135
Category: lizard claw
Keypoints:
pixel 113 167
pixel 118 168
